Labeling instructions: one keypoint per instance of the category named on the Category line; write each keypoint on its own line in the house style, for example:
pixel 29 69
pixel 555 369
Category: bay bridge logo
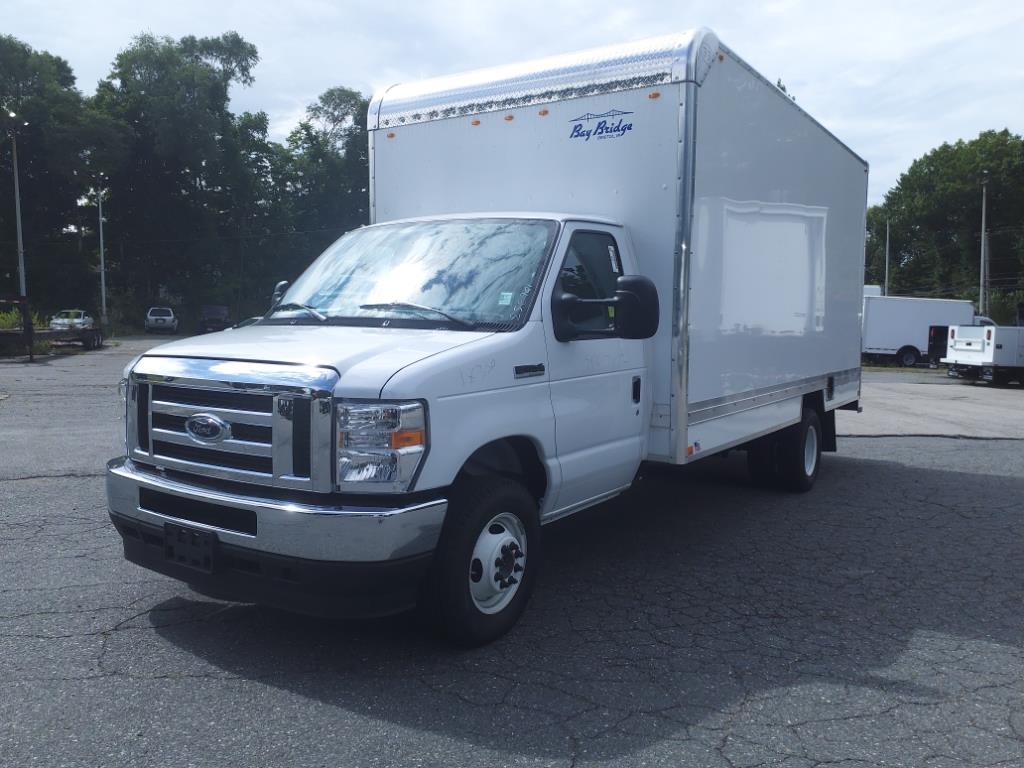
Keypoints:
pixel 610 125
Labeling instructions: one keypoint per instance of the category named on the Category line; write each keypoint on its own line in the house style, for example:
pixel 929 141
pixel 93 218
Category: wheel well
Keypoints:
pixel 516 458
pixel 816 402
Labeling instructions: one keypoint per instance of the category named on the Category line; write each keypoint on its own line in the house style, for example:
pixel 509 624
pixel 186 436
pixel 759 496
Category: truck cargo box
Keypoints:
pixel 747 214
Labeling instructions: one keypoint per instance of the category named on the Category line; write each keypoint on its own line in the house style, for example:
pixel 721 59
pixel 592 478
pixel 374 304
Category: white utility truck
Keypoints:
pixel 897 326
pixel 640 253
pixel 991 353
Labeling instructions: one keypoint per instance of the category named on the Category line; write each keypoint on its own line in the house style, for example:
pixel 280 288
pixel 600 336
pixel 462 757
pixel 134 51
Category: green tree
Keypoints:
pixel 934 212
pixel 183 188
pixel 331 164
pixel 62 137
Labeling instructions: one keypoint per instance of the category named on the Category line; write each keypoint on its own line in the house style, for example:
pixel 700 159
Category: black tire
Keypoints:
pixel 795 453
pixel 908 357
pixel 447 601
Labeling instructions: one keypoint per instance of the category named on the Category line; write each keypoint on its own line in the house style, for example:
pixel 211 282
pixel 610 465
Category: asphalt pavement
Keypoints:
pixel 695 621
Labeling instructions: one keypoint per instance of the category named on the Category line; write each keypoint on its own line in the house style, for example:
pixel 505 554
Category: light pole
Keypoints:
pixel 103 266
pixel 984 261
pixel 886 292
pixel 17 206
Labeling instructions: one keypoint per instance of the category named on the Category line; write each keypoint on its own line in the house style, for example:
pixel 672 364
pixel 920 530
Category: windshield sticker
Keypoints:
pixel 609 125
pixel 505 299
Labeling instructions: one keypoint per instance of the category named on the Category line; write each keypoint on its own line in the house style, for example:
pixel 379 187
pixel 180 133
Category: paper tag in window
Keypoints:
pixel 614 257
pixel 505 299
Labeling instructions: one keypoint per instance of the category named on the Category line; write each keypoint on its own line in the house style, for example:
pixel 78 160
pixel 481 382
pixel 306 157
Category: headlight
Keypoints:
pixel 380 445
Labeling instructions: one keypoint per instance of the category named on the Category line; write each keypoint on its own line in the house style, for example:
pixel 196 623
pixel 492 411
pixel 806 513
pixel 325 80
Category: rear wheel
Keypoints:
pixel 486 562
pixel 800 453
pixel 908 357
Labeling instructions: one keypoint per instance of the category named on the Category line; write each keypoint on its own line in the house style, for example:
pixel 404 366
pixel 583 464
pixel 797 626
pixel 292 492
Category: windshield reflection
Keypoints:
pixel 480 272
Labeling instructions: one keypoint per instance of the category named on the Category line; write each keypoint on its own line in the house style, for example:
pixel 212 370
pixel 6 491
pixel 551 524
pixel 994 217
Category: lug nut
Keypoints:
pixel 519 555
pixel 517 568
pixel 513 580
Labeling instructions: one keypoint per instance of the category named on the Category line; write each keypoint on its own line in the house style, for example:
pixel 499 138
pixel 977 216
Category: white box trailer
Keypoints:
pixel 747 214
pixel 896 327
pixel 686 278
pixel 985 353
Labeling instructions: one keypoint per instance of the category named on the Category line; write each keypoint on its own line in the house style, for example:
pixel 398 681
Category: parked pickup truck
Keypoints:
pixel 991 353
pixel 439 385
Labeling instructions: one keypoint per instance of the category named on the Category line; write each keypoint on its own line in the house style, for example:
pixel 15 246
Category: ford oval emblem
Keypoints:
pixel 207 428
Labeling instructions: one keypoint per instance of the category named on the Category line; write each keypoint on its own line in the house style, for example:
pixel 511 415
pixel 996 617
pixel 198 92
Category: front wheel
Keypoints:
pixel 486 562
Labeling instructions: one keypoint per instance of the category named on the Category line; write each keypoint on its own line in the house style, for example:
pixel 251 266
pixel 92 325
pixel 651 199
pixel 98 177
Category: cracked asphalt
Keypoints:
pixel 696 621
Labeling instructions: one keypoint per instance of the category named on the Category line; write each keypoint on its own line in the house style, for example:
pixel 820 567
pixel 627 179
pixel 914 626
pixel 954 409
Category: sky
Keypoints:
pixel 891 79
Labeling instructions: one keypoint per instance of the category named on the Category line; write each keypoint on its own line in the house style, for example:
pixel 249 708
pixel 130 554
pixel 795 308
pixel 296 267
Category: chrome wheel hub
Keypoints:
pixel 810 451
pixel 498 563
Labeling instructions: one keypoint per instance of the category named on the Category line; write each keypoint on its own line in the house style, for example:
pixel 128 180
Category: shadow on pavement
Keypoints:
pixel 664 610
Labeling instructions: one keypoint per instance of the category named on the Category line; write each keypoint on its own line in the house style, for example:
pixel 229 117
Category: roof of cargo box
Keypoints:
pixel 686 56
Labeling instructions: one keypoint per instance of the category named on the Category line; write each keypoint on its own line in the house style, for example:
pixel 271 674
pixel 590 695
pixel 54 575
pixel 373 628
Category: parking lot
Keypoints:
pixel 697 620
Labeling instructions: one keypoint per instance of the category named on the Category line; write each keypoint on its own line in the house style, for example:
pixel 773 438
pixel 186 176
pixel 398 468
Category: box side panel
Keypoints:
pixel 575 156
pixel 776 267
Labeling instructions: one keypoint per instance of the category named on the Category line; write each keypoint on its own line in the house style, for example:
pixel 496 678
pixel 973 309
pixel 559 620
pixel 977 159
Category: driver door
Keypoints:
pixel 597 382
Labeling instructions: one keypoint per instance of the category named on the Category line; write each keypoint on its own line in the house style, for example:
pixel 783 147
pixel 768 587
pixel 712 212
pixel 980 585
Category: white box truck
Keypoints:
pixel 985 353
pixel 896 327
pixel 639 253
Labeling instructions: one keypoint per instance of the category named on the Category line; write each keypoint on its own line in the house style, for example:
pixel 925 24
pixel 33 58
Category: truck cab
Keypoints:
pixel 415 362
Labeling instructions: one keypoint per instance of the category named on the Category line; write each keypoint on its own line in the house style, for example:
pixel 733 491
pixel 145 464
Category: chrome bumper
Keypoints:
pixel 313 532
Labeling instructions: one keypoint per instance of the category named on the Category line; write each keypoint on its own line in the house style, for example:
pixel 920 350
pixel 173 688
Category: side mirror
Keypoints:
pixel 636 307
pixel 279 291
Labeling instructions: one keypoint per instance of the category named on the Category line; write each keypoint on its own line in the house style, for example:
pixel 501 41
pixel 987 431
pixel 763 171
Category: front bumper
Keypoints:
pixel 338 560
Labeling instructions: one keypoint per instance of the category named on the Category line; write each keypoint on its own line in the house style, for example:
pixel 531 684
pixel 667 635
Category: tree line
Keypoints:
pixel 934 216
pixel 200 205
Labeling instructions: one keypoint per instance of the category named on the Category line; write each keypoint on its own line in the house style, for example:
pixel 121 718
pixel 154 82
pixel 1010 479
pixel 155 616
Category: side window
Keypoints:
pixel 590 270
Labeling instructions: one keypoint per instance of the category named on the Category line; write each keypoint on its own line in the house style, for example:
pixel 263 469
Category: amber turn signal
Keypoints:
pixel 407 438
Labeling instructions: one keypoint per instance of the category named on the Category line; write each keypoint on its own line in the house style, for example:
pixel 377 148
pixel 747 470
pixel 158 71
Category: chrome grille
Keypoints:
pixel 280 418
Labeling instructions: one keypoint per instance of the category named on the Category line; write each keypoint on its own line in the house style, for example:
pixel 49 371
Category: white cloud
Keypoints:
pixel 891 79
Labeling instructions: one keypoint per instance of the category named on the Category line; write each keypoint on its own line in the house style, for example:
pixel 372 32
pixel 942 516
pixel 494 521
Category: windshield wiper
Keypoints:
pixel 408 305
pixel 294 305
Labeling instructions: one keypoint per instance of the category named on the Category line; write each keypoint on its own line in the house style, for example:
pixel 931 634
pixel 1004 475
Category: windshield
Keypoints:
pixel 159 312
pixel 464 273
pixel 69 314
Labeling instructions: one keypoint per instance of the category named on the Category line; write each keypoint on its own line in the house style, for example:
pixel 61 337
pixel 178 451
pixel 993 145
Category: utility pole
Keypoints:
pixel 886 291
pixel 103 267
pixel 982 283
pixel 17 211
pixel 26 314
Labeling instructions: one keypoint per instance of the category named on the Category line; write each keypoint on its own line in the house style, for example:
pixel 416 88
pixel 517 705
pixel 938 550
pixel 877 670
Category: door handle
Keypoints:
pixel 529 371
pixel 636 389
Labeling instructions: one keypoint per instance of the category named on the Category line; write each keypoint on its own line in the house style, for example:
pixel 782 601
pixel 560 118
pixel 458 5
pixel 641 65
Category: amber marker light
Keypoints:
pixel 654 95
pixel 509 118
pixel 391 135
pixel 407 438
pixel 543 113
pixel 474 122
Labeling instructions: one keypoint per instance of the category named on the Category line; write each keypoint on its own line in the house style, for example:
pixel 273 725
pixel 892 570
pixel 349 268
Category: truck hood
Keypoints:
pixel 365 357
